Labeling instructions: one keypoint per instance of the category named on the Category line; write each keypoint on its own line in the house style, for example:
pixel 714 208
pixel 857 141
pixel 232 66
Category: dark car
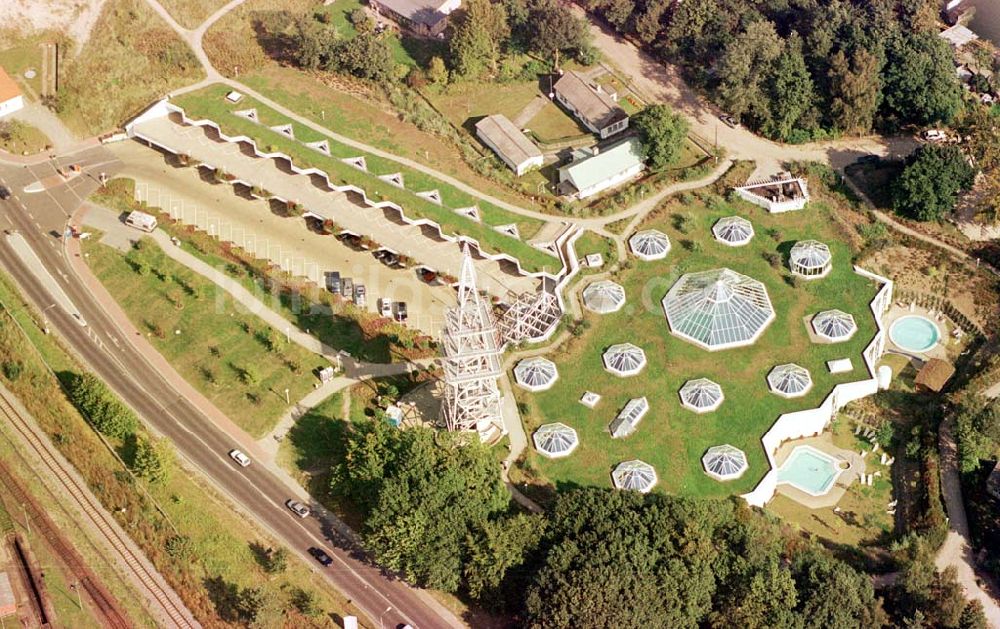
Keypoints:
pixel 320 556
pixel 333 282
pixel 4 193
pixel 874 160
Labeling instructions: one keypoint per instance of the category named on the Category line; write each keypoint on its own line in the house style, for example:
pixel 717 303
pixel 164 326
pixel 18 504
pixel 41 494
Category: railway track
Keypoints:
pixel 110 609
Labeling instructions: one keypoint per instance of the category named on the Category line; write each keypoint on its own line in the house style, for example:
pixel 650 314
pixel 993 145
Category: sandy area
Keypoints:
pixel 75 18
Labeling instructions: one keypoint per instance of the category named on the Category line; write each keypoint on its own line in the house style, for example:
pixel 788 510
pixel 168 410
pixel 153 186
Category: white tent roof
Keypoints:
pixel 624 359
pixel 603 297
pixel 634 475
pixel 536 374
pixel 724 462
pixel 789 380
pixel 834 325
pixel 718 309
pixel 555 440
pixel 649 244
pixel 733 230
pixel 628 419
pixel 701 395
pixel 810 254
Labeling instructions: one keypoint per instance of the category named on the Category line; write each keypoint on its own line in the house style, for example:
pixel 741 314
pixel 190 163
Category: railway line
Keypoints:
pixel 109 608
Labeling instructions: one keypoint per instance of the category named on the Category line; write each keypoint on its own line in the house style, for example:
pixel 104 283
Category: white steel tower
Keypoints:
pixel 471 360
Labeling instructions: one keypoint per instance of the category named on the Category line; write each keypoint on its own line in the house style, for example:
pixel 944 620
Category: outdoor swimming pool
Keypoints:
pixel 914 333
pixel 810 470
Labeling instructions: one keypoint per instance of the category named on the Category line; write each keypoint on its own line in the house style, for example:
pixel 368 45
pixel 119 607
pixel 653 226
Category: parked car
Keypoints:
pixel 401 313
pixel 347 288
pixel 333 282
pixel 240 458
pixel 320 556
pixel 730 121
pixel 428 275
pixel 298 508
pixel 874 160
pixel 359 295
pixel 385 309
pixel 935 135
pixel 4 193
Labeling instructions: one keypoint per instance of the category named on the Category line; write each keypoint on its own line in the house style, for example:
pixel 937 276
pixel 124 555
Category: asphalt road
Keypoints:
pixel 40 218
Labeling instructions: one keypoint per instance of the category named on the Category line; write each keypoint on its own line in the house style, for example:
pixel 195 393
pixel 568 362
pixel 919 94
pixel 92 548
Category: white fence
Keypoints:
pixel 813 421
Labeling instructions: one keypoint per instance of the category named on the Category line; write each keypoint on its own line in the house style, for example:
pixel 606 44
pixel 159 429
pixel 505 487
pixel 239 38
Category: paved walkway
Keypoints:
pixel 39 116
pixel 530 111
pixel 270 442
pixel 956 551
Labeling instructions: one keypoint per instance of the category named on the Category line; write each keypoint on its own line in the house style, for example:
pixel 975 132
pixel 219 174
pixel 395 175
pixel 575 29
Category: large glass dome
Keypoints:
pixel 536 374
pixel 724 462
pixel 649 244
pixel 555 440
pixel 604 297
pixel 634 475
pixel 734 231
pixel 718 309
pixel 810 259
pixel 701 395
pixel 834 325
pixel 789 380
pixel 624 359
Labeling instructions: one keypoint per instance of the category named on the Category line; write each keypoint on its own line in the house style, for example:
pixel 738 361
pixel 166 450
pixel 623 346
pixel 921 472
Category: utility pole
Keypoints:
pixel 76 588
pixel 27 522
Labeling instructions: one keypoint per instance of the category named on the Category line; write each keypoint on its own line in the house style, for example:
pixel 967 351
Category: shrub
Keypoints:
pixel 100 406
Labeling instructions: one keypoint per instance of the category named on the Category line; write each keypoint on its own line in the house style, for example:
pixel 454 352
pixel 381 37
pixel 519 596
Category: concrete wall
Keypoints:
pixel 610 182
pixel 813 421
pixel 11 105
pixel 163 108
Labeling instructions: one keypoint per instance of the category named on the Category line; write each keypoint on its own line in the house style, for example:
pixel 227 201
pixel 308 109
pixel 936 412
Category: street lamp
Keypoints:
pixel 76 588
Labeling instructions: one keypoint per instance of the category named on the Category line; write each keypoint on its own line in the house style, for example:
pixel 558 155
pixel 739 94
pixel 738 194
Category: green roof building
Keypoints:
pixel 588 175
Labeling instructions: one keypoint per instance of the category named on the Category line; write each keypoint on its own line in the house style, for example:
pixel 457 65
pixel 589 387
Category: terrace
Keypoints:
pixel 672 438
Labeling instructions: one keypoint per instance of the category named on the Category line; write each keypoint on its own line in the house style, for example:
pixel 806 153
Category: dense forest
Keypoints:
pixel 796 70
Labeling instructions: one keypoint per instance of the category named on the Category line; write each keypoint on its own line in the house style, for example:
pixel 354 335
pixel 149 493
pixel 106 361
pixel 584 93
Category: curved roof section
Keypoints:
pixel 555 440
pixel 733 230
pixel 810 254
pixel 634 475
pixel 724 462
pixel 701 395
pixel 604 297
pixel 624 359
pixel 536 374
pixel 649 244
pixel 789 380
pixel 834 325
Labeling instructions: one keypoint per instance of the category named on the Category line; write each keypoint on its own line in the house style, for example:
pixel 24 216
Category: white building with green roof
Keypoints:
pixel 586 176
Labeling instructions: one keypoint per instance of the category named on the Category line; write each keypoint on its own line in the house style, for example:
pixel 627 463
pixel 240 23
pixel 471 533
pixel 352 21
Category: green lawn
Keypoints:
pixel 217 340
pixel 210 103
pixel 552 124
pixel 591 242
pixel 20 138
pixel 671 438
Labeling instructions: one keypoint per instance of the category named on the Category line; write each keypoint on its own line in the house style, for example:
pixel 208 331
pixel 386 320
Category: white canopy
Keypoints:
pixel 701 395
pixel 536 374
pixel 834 325
pixel 649 244
pixel 555 440
pixel 789 380
pixel 734 231
pixel 604 297
pixel 624 359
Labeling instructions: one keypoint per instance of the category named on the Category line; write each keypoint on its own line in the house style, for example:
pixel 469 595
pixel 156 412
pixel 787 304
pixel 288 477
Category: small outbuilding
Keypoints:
pixel 782 193
pixel 11 99
pixel 810 259
pixel 590 104
pixel 628 419
pixel 424 17
pixel 935 374
pixel 598 170
pixel 509 143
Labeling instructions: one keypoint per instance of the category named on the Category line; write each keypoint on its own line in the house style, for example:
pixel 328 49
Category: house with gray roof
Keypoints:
pixel 589 103
pixel 591 173
pixel 424 17
pixel 509 143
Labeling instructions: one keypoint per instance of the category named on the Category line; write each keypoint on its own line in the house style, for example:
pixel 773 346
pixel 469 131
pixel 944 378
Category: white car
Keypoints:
pixel 386 308
pixel 298 508
pixel 935 135
pixel 240 458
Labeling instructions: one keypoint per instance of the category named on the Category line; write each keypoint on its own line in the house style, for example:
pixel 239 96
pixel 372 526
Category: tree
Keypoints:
pixel 275 560
pixel 855 90
pixel 304 601
pixel 100 406
pixel 496 546
pixel 553 28
pixel 792 95
pixel 662 133
pixel 920 86
pixel 421 493
pixel 834 595
pixel 366 56
pixel 929 185
pixel 437 72
pixel 152 459
pixel 744 70
pixel 314 43
pixel 481 31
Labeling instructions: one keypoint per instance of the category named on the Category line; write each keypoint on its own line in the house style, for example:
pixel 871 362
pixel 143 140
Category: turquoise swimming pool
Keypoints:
pixel 810 470
pixel 914 333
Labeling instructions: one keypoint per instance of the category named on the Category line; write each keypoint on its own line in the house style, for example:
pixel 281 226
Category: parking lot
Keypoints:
pixel 289 236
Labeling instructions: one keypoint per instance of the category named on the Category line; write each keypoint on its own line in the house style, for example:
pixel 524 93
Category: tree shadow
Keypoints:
pixel 224 596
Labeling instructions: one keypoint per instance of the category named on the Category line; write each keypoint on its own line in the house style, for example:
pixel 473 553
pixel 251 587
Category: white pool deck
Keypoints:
pixel 823 443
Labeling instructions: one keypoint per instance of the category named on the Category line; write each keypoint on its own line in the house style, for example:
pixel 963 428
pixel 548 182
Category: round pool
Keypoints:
pixel 914 333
